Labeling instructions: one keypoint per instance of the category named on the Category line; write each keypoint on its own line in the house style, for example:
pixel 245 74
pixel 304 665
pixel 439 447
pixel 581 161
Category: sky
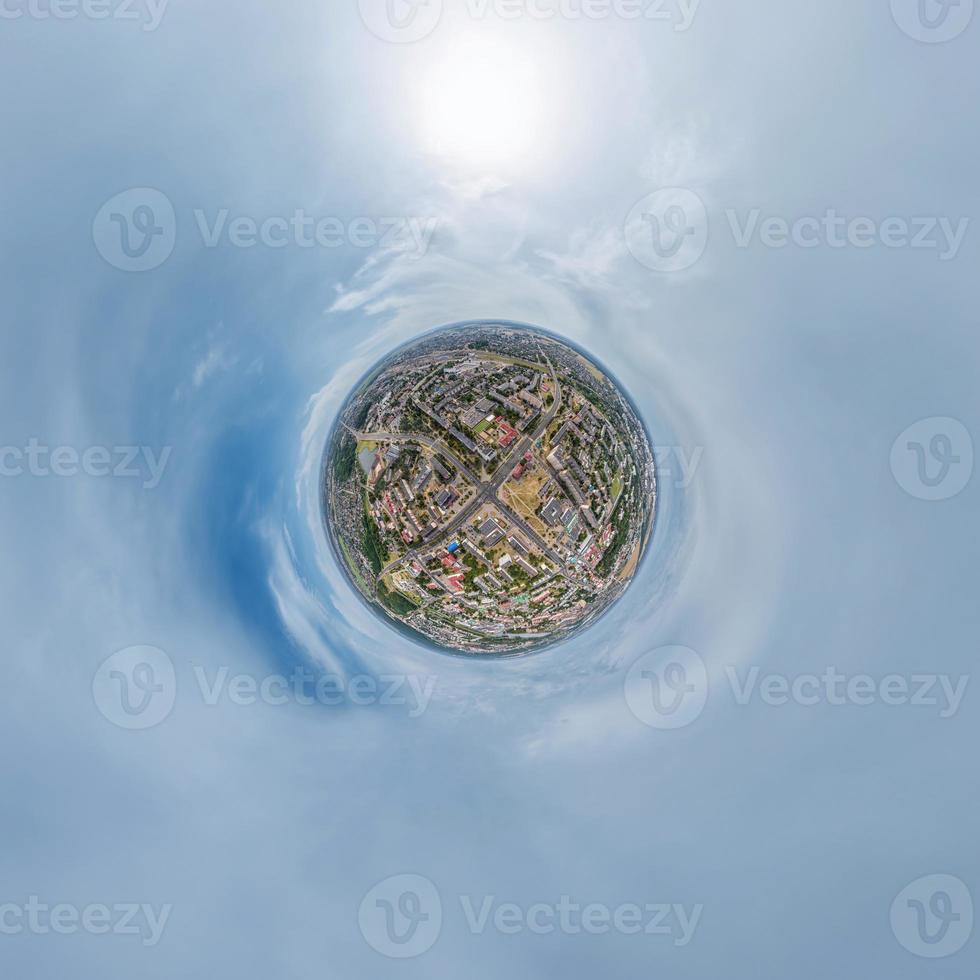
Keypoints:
pixel 217 217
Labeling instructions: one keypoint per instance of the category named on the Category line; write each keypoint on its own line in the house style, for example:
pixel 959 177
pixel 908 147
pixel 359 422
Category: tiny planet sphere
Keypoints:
pixel 489 489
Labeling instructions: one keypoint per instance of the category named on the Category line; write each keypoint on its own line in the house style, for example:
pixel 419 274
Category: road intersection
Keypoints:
pixel 487 491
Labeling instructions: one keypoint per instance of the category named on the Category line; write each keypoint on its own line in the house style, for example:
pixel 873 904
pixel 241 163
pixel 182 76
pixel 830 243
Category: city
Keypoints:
pixel 490 488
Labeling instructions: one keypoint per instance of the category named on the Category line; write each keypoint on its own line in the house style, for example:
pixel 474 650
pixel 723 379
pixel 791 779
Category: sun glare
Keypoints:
pixel 483 107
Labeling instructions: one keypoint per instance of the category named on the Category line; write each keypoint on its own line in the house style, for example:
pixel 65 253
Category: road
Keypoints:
pixel 487 490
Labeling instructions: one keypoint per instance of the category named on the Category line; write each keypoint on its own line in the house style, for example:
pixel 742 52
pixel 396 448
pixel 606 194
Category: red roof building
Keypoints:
pixel 509 434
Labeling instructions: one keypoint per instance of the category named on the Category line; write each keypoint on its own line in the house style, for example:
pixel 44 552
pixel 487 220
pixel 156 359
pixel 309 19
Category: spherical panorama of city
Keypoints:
pixel 489 489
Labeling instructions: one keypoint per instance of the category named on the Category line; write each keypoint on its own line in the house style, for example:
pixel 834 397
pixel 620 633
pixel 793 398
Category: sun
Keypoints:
pixel 483 106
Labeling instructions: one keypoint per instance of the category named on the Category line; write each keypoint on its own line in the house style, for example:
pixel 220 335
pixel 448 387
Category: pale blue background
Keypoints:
pixel 794 549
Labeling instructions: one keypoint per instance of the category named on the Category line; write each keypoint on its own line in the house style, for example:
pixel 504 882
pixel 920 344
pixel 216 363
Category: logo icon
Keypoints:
pixel 667 688
pixel 933 916
pixel 401 917
pixel 136 231
pixel 933 21
pixel 667 231
pixel 136 688
pixel 933 459
pixel 401 21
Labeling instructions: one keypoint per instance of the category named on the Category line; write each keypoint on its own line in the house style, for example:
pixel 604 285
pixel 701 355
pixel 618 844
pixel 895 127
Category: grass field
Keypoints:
pixel 506 359
pixel 523 497
pixel 591 368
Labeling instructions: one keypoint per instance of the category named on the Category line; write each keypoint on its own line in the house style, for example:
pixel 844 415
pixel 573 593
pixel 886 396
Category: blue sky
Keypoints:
pixel 487 169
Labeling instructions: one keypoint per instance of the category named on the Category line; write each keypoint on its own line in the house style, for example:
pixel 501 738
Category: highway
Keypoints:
pixel 487 491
